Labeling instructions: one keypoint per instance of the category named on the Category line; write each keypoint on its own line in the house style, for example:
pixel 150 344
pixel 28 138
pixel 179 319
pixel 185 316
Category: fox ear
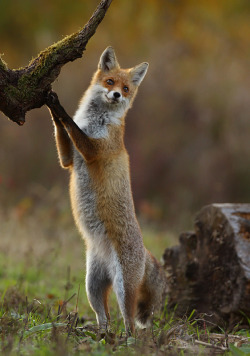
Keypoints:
pixel 108 60
pixel 138 73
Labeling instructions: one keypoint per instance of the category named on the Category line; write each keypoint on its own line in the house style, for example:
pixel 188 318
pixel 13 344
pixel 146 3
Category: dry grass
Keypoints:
pixel 43 307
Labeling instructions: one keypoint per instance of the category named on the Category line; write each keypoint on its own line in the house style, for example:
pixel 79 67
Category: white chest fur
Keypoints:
pixel 95 113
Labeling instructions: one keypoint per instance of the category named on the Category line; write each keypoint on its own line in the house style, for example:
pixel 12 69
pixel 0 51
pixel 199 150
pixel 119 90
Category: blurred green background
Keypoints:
pixel 188 131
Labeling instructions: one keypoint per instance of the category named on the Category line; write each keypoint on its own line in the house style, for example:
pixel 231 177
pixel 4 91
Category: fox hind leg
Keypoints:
pixel 144 313
pixel 127 299
pixel 98 285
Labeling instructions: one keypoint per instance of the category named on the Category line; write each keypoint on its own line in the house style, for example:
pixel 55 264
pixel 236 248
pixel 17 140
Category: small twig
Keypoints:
pixel 48 314
pixel 77 298
pixel 58 313
pixel 61 307
pixel 72 325
pixel 27 306
pixel 68 285
pixel 210 345
pixel 221 336
pixel 22 334
pixel 66 301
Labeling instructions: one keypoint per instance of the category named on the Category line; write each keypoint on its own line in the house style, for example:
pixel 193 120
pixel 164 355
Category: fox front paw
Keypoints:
pixel 52 99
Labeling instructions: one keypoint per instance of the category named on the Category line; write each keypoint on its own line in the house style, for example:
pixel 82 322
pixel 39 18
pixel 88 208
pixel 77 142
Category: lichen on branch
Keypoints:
pixel 3 65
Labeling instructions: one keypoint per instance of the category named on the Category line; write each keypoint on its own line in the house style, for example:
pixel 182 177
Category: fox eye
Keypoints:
pixel 125 88
pixel 110 82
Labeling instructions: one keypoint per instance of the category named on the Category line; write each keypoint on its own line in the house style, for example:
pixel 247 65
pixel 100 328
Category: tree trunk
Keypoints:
pixel 210 270
pixel 27 88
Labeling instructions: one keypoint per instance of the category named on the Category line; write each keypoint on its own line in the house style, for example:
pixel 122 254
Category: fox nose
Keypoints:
pixel 116 95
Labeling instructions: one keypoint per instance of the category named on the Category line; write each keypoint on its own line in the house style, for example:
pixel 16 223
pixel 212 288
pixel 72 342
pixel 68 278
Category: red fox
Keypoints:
pixel 92 147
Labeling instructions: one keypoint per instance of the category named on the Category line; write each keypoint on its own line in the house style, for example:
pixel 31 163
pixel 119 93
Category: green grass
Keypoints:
pixel 43 305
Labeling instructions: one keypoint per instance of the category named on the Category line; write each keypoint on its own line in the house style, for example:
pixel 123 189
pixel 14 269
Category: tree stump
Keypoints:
pixel 210 270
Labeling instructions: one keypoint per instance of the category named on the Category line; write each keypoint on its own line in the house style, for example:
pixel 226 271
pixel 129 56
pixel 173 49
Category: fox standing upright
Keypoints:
pixel 92 147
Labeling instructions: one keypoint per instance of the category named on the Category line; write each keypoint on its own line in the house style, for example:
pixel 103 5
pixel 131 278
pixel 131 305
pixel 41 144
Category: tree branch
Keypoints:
pixel 25 89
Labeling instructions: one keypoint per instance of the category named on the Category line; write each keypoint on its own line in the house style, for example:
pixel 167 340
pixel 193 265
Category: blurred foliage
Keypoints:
pixel 188 131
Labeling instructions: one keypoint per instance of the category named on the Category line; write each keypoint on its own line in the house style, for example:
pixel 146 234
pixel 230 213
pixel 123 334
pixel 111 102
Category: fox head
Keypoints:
pixel 109 96
pixel 117 86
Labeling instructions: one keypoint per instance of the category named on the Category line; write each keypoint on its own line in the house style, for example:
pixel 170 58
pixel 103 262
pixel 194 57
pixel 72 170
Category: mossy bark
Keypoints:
pixel 27 88
pixel 209 270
